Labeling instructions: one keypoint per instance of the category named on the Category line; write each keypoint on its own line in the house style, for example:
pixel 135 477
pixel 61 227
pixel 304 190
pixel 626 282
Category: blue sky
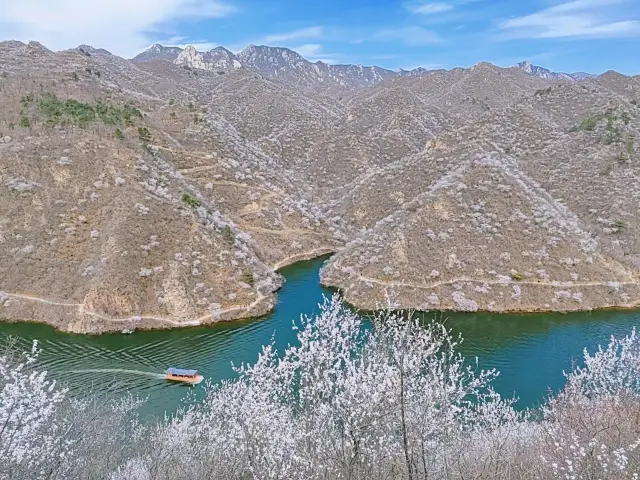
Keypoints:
pixel 587 35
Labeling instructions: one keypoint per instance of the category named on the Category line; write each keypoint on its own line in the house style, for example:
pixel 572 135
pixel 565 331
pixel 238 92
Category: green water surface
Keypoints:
pixel 530 350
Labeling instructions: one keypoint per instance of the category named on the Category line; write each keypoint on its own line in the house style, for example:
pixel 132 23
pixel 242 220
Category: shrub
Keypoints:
pixel 191 201
pixel 622 159
pixel 247 277
pixel 620 225
pixel 24 121
pixel 517 276
pixel 588 124
pixel 228 235
pixel 62 112
pixel 119 134
pixel 144 134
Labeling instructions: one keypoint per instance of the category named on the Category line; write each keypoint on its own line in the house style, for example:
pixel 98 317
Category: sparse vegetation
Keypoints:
pixel 622 159
pixel 588 124
pixel 24 121
pixel 144 134
pixel 620 225
pixel 518 277
pixel 56 111
pixel 119 135
pixel 247 277
pixel 543 91
pixel 191 200
pixel 228 235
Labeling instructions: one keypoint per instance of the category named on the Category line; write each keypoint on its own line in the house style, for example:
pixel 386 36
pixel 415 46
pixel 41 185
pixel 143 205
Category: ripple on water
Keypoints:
pixel 529 350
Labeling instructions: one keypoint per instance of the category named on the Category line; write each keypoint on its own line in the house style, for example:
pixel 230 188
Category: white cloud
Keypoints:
pixel 410 36
pixel 575 19
pixel 427 8
pixel 314 52
pixel 123 27
pixel 183 42
pixel 301 34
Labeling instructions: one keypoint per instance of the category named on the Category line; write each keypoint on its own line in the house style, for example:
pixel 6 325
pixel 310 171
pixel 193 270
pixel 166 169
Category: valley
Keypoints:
pixel 165 191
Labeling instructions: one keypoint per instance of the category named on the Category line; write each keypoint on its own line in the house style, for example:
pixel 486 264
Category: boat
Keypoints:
pixel 184 376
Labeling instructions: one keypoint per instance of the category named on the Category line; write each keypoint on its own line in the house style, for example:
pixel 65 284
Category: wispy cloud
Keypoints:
pixel 300 34
pixel 409 36
pixel 574 19
pixel 182 41
pixel 124 27
pixel 314 52
pixel 428 8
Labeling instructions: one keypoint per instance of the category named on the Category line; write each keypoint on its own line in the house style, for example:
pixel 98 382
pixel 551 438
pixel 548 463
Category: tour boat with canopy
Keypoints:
pixel 186 376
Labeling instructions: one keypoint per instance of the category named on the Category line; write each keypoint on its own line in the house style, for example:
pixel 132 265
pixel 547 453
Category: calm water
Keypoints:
pixel 529 350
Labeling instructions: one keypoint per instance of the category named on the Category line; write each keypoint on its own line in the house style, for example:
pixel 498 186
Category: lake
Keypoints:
pixel 530 350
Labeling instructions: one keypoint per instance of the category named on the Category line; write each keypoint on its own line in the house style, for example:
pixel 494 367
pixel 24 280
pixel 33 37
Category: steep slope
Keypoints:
pixel 216 59
pixel 115 220
pixel 165 191
pixel 483 237
pixel 158 52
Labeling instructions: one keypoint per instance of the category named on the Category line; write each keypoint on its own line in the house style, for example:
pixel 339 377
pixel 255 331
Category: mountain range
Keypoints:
pixel 168 192
pixel 288 65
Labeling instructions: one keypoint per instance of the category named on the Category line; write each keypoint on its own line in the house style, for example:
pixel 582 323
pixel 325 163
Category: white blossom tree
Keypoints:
pixel 381 398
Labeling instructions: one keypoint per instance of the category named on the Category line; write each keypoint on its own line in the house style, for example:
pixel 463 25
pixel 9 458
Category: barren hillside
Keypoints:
pixel 151 194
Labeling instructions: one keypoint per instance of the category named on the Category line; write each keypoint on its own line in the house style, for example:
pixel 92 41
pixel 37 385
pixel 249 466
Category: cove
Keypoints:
pixel 529 350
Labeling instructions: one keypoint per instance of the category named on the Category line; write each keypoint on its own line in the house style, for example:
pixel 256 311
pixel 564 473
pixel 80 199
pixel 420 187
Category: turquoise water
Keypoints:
pixel 529 350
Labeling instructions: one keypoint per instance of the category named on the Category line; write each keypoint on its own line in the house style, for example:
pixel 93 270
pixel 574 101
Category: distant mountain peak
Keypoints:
pixel 545 73
pixel 218 58
pixel 279 62
pixel 92 51
pixel 158 52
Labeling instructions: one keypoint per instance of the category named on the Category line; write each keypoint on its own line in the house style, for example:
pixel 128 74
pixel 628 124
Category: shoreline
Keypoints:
pixel 74 319
pixel 82 322
pixel 364 306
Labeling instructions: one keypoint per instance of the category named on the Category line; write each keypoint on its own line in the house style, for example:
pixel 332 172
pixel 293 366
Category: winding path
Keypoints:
pixel 81 307
pixel 186 323
pixel 493 282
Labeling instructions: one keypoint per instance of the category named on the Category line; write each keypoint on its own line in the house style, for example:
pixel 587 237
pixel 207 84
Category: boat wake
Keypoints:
pixel 121 370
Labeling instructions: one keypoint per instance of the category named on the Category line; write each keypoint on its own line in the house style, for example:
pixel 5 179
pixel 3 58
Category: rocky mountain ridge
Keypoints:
pixel 288 65
pixel 148 195
pixel 545 73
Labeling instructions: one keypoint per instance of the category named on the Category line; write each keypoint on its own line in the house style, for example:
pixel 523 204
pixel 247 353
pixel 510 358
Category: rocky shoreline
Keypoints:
pixel 363 294
pixel 76 318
